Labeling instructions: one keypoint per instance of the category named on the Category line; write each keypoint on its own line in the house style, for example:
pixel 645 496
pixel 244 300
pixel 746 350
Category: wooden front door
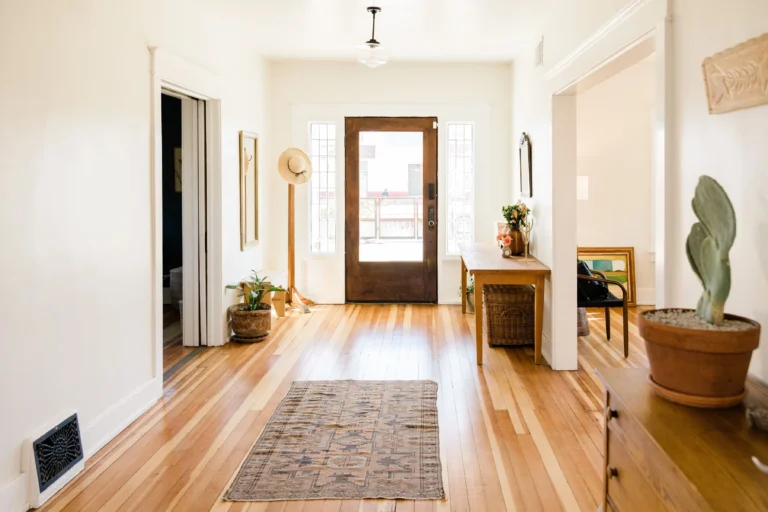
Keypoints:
pixel 391 209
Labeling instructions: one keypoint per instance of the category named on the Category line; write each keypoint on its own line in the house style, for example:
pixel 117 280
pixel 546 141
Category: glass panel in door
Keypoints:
pixel 391 196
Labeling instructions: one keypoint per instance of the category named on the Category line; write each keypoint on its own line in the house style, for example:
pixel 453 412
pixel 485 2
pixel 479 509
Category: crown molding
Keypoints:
pixel 612 24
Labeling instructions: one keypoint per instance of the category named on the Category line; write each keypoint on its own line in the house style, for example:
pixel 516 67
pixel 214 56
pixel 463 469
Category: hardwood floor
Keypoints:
pixel 174 350
pixel 513 436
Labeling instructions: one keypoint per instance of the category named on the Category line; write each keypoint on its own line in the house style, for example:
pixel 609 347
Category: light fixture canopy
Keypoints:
pixel 372 53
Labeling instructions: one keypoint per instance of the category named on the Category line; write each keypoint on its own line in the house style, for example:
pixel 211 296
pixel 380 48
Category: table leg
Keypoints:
pixel 539 316
pixel 463 288
pixel 479 319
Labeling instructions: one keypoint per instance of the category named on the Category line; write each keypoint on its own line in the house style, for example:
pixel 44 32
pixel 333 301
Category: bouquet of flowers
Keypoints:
pixel 515 215
pixel 504 239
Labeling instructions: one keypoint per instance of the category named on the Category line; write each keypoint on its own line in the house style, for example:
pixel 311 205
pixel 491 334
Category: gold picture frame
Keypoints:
pixel 249 190
pixel 617 263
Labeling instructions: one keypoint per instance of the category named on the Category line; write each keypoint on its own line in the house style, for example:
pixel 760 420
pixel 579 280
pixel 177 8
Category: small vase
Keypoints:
pixel 517 247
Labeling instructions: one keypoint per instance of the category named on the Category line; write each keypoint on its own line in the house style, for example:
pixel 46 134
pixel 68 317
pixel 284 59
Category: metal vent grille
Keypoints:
pixel 57 451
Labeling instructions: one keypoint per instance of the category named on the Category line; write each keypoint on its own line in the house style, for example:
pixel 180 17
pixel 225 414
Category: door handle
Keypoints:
pixel 431 217
pixel 431 191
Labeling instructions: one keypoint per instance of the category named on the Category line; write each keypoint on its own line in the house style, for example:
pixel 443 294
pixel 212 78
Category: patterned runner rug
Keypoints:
pixel 347 439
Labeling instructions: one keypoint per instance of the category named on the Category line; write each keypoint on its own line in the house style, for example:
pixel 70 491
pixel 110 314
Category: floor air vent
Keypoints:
pixel 57 451
pixel 53 459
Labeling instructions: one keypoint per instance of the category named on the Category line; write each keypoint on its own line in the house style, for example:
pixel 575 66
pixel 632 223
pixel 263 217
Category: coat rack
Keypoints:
pixel 295 167
pixel 294 297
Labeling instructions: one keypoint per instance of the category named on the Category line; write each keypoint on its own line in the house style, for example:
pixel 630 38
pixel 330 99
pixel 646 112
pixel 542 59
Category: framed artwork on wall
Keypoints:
pixel 736 78
pixel 526 167
pixel 249 190
pixel 617 263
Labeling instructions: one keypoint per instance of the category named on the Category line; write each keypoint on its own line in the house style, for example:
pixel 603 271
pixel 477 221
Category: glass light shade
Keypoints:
pixel 372 55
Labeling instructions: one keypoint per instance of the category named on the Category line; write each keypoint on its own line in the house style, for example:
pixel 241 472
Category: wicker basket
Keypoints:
pixel 508 314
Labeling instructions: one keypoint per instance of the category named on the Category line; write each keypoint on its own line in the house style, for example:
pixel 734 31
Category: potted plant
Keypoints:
pixel 470 294
pixel 515 216
pixel 252 318
pixel 701 357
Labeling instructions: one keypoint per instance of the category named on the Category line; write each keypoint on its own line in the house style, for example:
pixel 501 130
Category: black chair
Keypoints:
pixel 593 292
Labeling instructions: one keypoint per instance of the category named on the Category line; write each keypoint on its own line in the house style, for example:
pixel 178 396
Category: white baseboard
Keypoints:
pixel 104 428
pixel 107 425
pixel 646 296
pixel 13 495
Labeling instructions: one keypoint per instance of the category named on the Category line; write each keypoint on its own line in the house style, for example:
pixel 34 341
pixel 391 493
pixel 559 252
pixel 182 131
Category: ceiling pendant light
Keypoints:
pixel 372 53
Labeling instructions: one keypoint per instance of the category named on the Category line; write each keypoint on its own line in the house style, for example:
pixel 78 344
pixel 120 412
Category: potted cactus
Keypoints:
pixel 252 318
pixel 701 357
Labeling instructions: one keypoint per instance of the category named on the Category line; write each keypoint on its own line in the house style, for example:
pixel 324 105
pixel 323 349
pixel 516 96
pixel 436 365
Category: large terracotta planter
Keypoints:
pixel 697 367
pixel 250 326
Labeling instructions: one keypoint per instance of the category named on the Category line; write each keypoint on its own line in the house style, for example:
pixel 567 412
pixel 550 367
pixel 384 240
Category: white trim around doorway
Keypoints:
pixel 646 19
pixel 170 73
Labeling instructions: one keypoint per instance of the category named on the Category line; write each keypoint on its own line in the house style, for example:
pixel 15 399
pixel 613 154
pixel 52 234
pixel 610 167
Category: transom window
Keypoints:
pixel 322 139
pixel 460 196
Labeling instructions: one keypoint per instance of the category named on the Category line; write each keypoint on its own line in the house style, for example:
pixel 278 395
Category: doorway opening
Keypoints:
pixel 184 229
pixel 391 209
pixel 585 71
pixel 614 185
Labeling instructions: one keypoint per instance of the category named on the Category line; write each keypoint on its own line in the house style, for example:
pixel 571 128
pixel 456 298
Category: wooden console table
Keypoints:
pixel 485 264
pixel 664 456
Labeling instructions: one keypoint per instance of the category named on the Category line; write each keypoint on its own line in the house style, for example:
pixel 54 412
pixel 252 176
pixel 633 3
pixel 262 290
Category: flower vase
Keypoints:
pixel 517 247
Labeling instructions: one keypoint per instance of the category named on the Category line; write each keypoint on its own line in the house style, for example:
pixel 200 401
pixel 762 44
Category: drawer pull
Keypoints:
pixel 612 472
pixel 610 413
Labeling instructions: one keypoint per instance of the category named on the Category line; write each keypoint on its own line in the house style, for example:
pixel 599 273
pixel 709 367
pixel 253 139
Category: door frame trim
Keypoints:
pixel 169 72
pixel 427 267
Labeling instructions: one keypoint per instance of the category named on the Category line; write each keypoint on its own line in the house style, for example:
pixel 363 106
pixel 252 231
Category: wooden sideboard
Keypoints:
pixel 662 456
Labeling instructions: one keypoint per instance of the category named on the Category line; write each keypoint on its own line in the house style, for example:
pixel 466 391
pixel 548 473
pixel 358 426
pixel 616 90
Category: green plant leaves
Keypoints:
pixel 715 211
pixel 708 245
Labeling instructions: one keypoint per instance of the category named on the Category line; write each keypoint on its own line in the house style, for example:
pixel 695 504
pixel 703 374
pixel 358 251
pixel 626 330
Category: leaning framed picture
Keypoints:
pixel 617 263
pixel 526 166
pixel 249 190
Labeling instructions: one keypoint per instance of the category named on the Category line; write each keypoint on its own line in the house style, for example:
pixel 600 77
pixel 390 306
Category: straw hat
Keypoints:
pixel 294 166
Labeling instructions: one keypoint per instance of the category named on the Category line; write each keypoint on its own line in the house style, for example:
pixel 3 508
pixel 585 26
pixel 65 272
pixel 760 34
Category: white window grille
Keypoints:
pixel 460 186
pixel 322 144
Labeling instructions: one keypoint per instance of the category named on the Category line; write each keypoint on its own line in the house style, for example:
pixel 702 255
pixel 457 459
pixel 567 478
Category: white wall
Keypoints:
pixel 729 146
pixel 328 91
pixel 75 300
pixel 613 150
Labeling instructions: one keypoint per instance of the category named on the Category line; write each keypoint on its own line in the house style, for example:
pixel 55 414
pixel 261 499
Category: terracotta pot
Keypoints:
pixel 700 368
pixel 250 326
pixel 517 246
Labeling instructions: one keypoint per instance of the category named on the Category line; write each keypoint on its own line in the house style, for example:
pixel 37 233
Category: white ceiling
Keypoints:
pixel 458 30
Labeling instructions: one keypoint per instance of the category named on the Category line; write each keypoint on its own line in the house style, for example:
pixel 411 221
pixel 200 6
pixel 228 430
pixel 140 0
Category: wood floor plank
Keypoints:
pixel 513 435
